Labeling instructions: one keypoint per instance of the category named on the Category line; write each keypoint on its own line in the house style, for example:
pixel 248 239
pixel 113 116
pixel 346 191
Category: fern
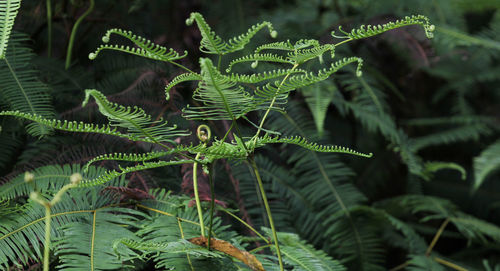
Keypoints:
pixel 221 98
pixel 179 79
pixel 486 163
pixel 213 44
pixel 21 88
pixel 146 48
pixel 8 13
pixel 371 30
pixel 134 120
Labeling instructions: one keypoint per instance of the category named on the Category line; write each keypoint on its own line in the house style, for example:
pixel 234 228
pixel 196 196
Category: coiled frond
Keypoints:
pixel 211 43
pixel 302 142
pixel 255 58
pixel 134 120
pixel 365 31
pixel 189 76
pixel 146 48
pixel 8 13
pixel 221 97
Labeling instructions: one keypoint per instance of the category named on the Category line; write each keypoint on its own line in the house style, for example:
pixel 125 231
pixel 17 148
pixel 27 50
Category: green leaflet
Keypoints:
pixel 136 122
pixel 486 163
pixel 8 13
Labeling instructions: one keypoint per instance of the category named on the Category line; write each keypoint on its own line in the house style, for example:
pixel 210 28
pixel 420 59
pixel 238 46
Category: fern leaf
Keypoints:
pixel 213 44
pixel 287 45
pixel 365 31
pixel 486 163
pixel 302 142
pixel 318 97
pixel 129 157
pixel 73 126
pixel 259 77
pixel 189 76
pixel 21 88
pixel 305 257
pixel 221 98
pixel 431 167
pixel 301 56
pixel 462 133
pixel 181 246
pixel 146 48
pixel 112 174
pixel 8 13
pixel 136 122
pixel 255 58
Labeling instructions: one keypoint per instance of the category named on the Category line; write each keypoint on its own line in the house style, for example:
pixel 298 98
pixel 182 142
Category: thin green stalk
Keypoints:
pixel 197 196
pixel 273 101
pixel 212 205
pixel 46 249
pixel 49 27
pixel 73 33
pixel 244 223
pixel 268 211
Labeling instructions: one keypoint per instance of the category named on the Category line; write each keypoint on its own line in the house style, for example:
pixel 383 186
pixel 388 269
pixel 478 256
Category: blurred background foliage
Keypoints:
pixel 429 110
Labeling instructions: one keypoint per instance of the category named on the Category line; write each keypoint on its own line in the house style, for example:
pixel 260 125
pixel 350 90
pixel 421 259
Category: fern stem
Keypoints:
pixel 436 237
pixel 244 223
pixel 449 264
pixel 49 28
pixel 273 101
pixel 268 211
pixel 181 66
pixel 342 42
pixel 212 205
pixel 46 249
pixel 73 33
pixel 197 196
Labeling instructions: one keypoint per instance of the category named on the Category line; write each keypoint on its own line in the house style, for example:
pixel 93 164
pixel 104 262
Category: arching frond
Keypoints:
pixel 259 77
pixel 112 174
pixel 8 13
pixel 287 45
pixel 222 99
pixel 134 120
pixel 371 30
pixel 486 163
pixel 146 48
pixel 302 142
pixel 189 76
pixel 303 55
pixel 255 58
pixel 432 166
pixel 129 157
pixel 211 43
pixel 21 88
pixel 73 126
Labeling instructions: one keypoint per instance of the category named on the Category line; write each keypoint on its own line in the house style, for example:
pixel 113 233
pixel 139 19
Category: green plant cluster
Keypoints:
pixel 231 155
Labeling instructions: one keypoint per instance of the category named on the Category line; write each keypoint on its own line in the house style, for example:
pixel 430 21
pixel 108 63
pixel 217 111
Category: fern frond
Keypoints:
pixel 129 157
pixel 73 126
pixel 8 13
pixel 485 163
pixel 181 246
pixel 146 48
pixel 112 174
pixel 255 58
pixel 49 178
pixel 303 256
pixel 259 77
pixel 318 97
pixel 134 120
pixel 21 88
pixel 189 76
pixel 213 44
pixel 303 55
pixel 432 166
pixel 287 45
pixel 365 31
pixel 302 142
pixel 222 99
pixel 463 133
